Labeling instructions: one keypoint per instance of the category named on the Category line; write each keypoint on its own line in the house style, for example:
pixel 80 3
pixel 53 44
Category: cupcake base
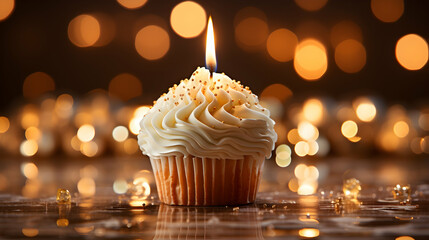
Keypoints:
pixel 205 181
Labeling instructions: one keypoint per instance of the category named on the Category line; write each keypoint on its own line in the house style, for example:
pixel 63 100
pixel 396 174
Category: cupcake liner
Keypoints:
pixel 205 181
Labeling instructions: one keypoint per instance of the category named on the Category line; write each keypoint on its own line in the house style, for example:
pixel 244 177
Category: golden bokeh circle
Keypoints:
pixel 188 19
pixel 152 42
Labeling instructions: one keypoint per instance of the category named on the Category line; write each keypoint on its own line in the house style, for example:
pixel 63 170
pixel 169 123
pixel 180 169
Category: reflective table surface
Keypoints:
pixel 278 213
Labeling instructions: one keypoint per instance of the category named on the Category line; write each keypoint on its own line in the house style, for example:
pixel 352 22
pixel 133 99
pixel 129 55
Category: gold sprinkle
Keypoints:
pixel 159 110
pixel 193 87
pixel 215 94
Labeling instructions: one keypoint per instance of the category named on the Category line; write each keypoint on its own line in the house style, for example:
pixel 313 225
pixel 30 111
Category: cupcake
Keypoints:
pixel 207 139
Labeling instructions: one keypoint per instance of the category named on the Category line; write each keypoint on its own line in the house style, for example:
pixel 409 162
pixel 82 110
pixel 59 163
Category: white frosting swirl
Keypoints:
pixel 207 117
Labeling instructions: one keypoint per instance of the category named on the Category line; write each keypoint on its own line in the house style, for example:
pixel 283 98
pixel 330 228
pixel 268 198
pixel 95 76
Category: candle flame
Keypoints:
pixel 210 47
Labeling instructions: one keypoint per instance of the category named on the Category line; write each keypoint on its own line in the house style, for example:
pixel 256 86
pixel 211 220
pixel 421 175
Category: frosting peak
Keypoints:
pixel 205 116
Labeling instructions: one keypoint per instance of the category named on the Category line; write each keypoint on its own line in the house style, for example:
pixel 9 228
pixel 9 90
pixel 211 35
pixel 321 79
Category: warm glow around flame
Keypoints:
pixel 210 47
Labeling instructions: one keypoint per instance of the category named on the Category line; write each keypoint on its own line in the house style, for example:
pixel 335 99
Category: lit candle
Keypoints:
pixel 210 48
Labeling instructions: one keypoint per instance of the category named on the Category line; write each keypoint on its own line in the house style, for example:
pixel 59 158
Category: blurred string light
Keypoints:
pixel 6 8
pixel 132 4
pixel 120 133
pixel 152 42
pixel 86 133
pixel 251 28
pixel 365 109
pixel 125 86
pixel 33 133
pixel 310 60
pixel 423 121
pixel 350 56
pixel 401 129
pixel 387 10
pixel 281 44
pixel 84 30
pixel 349 129
pixel 134 124
pixel 277 91
pixel 36 84
pixel 307 131
pixel 86 186
pixel 283 155
pixel 131 146
pixel 30 117
pixel 302 148
pixel 404 238
pixel 293 136
pixel 412 52
pixel 307 179
pixel 308 233
pixel 313 110
pixel 29 148
pixel 89 149
pixel 345 30
pixel 311 5
pixel 64 106
pixel 30 232
pixel 29 170
pixel 188 19
pixel 120 186
pixel 4 124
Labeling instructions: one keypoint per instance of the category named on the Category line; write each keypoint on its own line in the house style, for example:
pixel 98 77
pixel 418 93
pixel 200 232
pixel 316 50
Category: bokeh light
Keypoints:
pixel 423 121
pixel 89 149
pixel 310 60
pixel 134 124
pixel 132 4
pixel 307 131
pixel 131 146
pixel 37 84
pixel 188 19
pixel 152 42
pixel 29 148
pixel 84 30
pixel 387 10
pixel 125 86
pixel 120 133
pixel 86 133
pixel 350 56
pixel 293 136
pixel 29 119
pixel 412 52
pixel 311 5
pixel 30 232
pixel 349 129
pixel 277 91
pixel 86 186
pixel 345 30
pixel 401 129
pixel 251 28
pixel 281 44
pixel 302 148
pixel 33 133
pixel 29 170
pixel 309 232
pixel 404 238
pixel 6 8
pixel 120 186
pixel 283 155
pixel 64 105
pixel 365 110
pixel 4 124
pixel 313 110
